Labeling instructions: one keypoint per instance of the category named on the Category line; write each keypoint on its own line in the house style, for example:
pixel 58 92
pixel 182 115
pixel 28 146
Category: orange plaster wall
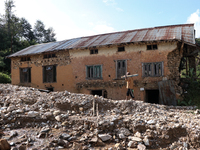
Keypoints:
pixel 68 75
pixel 135 56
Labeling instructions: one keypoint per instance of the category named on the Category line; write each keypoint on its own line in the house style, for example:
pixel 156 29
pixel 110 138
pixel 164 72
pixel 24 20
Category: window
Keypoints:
pixel 152 69
pixel 25 58
pixel 94 51
pixel 94 72
pixel 49 55
pixel 49 73
pixel 121 49
pixel 25 75
pixel 152 47
pixel 120 68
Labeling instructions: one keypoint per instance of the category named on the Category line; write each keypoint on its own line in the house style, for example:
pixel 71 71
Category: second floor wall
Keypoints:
pixel 112 63
pixel 104 64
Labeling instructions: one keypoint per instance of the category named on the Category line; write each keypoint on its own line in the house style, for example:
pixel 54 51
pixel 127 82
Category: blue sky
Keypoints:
pixel 76 18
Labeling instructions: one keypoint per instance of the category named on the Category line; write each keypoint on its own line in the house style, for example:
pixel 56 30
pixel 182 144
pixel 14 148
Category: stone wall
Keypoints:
pixel 62 58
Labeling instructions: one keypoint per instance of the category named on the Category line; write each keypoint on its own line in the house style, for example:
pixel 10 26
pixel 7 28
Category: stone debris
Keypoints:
pixel 32 119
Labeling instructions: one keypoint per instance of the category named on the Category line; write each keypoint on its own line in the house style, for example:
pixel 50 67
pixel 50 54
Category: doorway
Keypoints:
pixel 96 92
pixel 152 96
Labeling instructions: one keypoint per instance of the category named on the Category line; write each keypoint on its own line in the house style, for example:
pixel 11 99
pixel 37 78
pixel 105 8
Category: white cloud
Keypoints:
pixel 113 4
pixel 63 24
pixel 102 28
pixel 119 9
pixel 109 2
pixel 195 18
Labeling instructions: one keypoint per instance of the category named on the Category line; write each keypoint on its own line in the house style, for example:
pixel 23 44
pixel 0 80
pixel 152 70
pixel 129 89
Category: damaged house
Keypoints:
pixel 95 64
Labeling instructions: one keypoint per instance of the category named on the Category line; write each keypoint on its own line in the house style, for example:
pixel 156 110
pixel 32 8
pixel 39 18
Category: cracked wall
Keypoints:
pixel 71 69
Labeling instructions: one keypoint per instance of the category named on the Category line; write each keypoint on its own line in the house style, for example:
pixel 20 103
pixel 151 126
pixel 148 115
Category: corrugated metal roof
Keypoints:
pixel 183 32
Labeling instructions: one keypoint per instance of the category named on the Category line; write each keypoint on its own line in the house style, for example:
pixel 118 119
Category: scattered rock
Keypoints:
pixel 65 120
pixel 141 147
pixel 133 138
pixel 104 137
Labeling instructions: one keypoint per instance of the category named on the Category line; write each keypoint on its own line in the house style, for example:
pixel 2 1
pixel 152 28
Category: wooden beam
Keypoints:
pixel 181 50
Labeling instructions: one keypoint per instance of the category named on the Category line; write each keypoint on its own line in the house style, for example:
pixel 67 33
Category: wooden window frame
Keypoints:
pixel 121 49
pixel 93 73
pixel 27 58
pixel 94 51
pixel 117 66
pixel 47 70
pixel 50 55
pixel 152 47
pixel 25 75
pixel 153 69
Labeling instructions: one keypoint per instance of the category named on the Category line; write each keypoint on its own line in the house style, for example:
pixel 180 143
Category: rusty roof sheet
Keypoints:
pixel 183 32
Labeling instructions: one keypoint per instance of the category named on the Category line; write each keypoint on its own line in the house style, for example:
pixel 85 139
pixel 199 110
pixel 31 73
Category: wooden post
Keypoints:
pixel 94 104
pixel 97 109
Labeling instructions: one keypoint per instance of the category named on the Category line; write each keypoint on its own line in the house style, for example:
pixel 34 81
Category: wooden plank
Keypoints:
pixel 167 93
pixel 127 76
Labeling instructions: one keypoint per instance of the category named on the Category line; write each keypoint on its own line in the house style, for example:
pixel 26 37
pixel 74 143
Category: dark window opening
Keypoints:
pixel 119 65
pixel 152 96
pixel 152 47
pixel 25 58
pixel 96 92
pixel 148 47
pixel 49 74
pixel 94 72
pixel 94 51
pixel 155 46
pixel 25 75
pixel 121 49
pixel 121 68
pixel 52 55
pixel 50 89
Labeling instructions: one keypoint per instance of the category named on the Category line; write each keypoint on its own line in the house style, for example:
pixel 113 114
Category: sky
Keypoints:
pixel 78 18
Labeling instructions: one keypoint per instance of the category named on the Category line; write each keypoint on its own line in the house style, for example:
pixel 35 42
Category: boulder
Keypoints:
pixel 104 137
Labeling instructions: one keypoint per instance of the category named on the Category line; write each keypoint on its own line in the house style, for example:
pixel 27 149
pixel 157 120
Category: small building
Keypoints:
pixel 95 64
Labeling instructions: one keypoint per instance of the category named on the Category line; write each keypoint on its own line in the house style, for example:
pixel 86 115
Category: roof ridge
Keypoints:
pixel 136 30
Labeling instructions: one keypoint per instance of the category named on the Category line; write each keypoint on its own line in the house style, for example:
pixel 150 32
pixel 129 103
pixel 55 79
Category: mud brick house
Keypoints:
pixel 94 64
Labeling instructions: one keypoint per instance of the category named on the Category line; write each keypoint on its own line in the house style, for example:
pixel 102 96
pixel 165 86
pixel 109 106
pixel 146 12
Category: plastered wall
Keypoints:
pixel 135 54
pixel 71 69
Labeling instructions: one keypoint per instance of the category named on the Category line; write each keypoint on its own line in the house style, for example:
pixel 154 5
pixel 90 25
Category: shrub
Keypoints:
pixel 192 96
pixel 4 78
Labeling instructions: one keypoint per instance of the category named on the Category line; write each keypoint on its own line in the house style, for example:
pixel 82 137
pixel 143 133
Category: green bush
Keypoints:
pixel 4 78
pixel 192 96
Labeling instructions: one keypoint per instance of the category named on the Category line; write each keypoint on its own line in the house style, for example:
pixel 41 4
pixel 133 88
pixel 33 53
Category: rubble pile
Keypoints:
pixel 36 120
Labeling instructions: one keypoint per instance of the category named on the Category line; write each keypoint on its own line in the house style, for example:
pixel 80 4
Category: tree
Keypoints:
pixel 49 35
pixel 197 41
pixel 43 35
pixel 26 32
pixel 17 33
pixel 9 16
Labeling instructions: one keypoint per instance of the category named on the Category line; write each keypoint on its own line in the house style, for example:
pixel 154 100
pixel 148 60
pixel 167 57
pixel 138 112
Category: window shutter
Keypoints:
pixel 44 74
pixel 162 68
pixel 143 69
pixel 20 75
pixel 54 73
pixel 29 74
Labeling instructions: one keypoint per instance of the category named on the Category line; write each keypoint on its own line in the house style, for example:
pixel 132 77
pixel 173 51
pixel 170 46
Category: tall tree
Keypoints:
pixel 9 4
pixel 43 35
pixel 17 33
pixel 26 32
